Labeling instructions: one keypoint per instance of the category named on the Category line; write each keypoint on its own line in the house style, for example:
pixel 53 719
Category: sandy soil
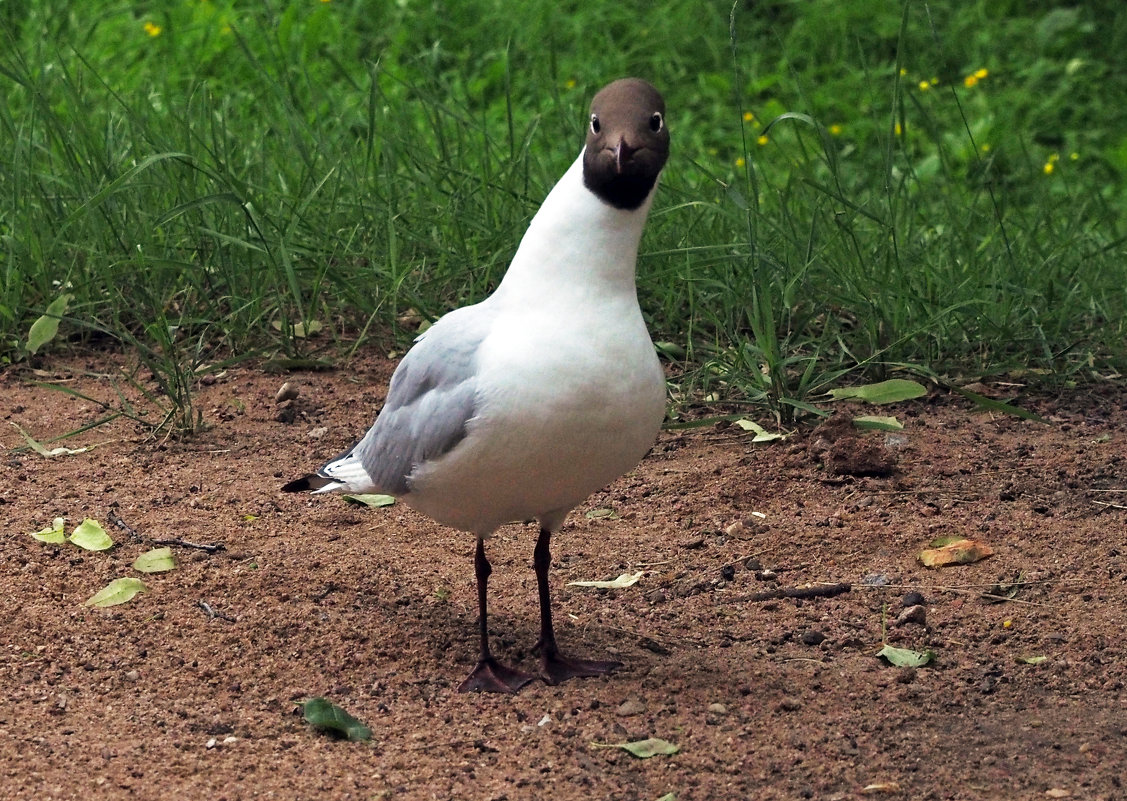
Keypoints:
pixel 194 689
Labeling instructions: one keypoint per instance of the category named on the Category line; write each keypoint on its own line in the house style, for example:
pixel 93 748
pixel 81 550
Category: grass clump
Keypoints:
pixel 937 189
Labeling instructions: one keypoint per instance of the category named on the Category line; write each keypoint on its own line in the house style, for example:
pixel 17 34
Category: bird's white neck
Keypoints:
pixel 575 245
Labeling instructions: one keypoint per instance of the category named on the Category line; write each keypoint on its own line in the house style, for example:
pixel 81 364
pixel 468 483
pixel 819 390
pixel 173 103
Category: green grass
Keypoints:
pixel 202 191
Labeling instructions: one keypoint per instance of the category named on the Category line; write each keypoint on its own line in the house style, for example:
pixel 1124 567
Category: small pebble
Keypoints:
pixel 766 575
pixel 728 572
pixel 912 599
pixel 813 637
pixel 718 709
pixel 876 580
pixel 132 675
pixel 630 707
pixel 790 705
pixel 913 614
pixel 286 392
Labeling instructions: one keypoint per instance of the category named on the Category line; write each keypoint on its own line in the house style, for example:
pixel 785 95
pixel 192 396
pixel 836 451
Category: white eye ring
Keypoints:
pixel 595 125
pixel 657 122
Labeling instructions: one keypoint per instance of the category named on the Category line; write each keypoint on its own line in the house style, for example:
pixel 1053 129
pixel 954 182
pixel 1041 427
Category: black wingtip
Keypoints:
pixel 307 483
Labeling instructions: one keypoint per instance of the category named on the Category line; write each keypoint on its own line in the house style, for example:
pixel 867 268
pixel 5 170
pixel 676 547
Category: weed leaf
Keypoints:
pixel 44 329
pixel 870 421
pixel 761 434
pixel 117 592
pixel 327 716
pixel 90 536
pixel 644 749
pixel 53 535
pixel 902 657
pixel 893 390
pixel 157 560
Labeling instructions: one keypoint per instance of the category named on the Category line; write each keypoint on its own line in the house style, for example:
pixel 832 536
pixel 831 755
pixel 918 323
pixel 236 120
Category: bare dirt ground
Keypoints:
pixel 375 609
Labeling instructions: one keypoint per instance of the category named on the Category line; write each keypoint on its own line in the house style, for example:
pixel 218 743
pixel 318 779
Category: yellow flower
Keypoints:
pixel 835 130
pixel 903 71
pixel 748 116
pixel 985 148
pixel 1073 156
pixel 982 73
pixel 970 81
pixel 740 162
pixel 1049 167
pixel 152 29
pixel 762 140
pixel 897 129
pixel 569 83
pixel 924 86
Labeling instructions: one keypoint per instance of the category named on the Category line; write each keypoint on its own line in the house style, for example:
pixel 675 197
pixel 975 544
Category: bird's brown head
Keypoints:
pixel 627 143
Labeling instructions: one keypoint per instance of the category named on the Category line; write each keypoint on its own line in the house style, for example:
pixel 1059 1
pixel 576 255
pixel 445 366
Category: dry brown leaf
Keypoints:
pixel 960 552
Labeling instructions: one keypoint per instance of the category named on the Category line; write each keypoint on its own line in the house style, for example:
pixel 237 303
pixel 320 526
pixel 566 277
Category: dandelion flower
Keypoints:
pixel 982 73
pixel 1049 167
pixel 924 86
pixel 1074 156
pixel 835 129
pixel 762 140
pixel 748 116
pixel 740 162
pixel 985 148
pixel 569 83
pixel 152 29
pixel 898 129
pixel 903 71
pixel 970 81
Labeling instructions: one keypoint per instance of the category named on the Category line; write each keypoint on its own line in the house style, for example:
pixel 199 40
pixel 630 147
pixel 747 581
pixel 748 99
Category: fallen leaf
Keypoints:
pixel 157 560
pixel 300 330
pixel 668 797
pixel 44 329
pixel 1031 660
pixel 1058 792
pixel 327 716
pixel 880 787
pixel 602 513
pixel 761 434
pixel 54 535
pixel 43 450
pixel 644 749
pixel 960 552
pixel 891 391
pixel 625 580
pixel 370 499
pixel 90 536
pixel 873 422
pixel 116 592
pixel 902 657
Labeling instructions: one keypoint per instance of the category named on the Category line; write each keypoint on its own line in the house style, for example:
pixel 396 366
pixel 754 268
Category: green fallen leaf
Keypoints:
pixel 90 536
pixel 625 580
pixel 44 329
pixel 1031 660
pixel 602 513
pixel 54 535
pixel 324 714
pixel 668 797
pixel 871 421
pixel 370 499
pixel 300 330
pixel 644 749
pixel 116 592
pixel 893 390
pixel 902 657
pixel 157 560
pixel 992 405
pixel 761 434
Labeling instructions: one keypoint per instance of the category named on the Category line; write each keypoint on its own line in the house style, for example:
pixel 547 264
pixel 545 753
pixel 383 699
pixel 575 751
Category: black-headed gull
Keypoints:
pixel 519 407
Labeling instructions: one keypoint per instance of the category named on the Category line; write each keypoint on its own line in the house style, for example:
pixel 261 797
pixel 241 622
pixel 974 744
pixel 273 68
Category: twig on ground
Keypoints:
pixel 819 591
pixel 212 548
pixel 114 518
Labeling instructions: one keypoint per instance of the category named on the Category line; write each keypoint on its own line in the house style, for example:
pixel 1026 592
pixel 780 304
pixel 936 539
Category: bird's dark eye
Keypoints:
pixel 596 126
pixel 657 122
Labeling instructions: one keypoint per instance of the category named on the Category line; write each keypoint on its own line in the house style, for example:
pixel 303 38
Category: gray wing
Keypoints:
pixel 430 401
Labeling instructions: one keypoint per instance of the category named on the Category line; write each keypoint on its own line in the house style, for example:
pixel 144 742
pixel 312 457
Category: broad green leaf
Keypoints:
pixel 44 329
pixel 602 513
pixel 1031 660
pixel 157 560
pixel 644 749
pixel 90 536
pixel 902 657
pixel 893 390
pixel 625 580
pixel 761 434
pixel 55 534
pixel 117 592
pixel 872 421
pixel 324 714
pixel 370 499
